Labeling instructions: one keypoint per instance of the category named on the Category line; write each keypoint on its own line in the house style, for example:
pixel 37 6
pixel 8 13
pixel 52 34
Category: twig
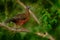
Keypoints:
pixel 6 11
pixel 22 4
pixel 12 29
pixel 52 4
pixel 45 35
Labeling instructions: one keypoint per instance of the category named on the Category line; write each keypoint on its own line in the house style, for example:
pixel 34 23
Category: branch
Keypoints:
pixel 22 4
pixel 21 30
pixel 45 35
pixel 52 4
pixel 12 29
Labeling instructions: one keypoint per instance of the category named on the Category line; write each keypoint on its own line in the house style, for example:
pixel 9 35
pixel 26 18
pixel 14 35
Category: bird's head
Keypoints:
pixel 27 7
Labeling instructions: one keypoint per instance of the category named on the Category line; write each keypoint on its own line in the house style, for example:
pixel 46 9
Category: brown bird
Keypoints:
pixel 20 19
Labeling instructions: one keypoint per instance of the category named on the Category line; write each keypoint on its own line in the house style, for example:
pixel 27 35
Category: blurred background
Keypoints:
pixel 47 12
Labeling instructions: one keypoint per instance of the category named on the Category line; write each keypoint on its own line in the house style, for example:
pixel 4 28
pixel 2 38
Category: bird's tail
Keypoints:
pixel 8 21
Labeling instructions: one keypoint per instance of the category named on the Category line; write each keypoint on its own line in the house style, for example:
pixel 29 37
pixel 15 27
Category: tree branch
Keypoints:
pixel 12 29
pixel 21 30
pixel 45 35
pixel 52 4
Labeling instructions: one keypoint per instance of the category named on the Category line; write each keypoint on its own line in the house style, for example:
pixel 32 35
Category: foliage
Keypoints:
pixel 47 13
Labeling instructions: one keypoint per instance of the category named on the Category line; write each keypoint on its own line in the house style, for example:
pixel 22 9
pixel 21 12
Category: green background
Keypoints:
pixel 47 12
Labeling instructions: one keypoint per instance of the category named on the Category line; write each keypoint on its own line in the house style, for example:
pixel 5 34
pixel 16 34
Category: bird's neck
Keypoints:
pixel 27 12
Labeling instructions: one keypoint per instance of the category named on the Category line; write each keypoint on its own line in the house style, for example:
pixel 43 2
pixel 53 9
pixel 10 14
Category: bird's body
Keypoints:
pixel 20 19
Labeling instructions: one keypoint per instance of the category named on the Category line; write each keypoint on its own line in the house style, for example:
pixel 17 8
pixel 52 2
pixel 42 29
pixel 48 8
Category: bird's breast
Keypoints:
pixel 21 22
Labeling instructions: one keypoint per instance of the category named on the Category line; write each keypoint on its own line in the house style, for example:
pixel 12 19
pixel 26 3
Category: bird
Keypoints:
pixel 20 19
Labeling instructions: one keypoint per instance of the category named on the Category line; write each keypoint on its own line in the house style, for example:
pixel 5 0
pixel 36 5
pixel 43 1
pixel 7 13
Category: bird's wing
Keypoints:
pixel 20 17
